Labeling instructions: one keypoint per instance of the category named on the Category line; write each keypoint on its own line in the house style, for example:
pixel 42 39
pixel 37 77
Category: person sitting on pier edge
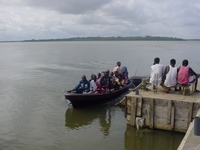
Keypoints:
pixel 93 86
pixel 116 69
pixel 157 71
pixel 186 75
pixel 83 86
pixel 114 85
pixel 170 75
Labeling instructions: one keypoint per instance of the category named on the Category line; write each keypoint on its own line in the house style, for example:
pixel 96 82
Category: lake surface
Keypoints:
pixel 34 75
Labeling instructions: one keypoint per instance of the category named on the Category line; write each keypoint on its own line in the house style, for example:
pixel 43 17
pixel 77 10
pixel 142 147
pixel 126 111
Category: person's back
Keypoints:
pixel 186 75
pixel 183 75
pixel 157 71
pixel 171 74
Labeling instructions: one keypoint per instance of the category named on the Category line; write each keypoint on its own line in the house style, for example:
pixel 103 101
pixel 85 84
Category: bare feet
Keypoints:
pixel 167 90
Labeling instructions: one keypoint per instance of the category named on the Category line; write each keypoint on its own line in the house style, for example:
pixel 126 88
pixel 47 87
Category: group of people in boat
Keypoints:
pixel 170 75
pixel 105 81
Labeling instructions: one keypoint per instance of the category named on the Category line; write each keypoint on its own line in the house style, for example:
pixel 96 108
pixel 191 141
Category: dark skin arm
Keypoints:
pixel 165 72
pixel 191 72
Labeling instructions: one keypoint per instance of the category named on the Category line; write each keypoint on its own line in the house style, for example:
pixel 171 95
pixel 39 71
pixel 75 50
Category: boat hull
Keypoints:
pixel 83 100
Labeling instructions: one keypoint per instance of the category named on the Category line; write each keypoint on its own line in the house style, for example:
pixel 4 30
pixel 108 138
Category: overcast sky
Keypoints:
pixel 45 19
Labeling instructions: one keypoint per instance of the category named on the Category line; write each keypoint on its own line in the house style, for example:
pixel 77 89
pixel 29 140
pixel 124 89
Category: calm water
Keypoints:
pixel 34 76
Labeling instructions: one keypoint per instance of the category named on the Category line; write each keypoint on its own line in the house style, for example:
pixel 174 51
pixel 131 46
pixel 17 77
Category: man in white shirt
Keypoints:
pixel 170 75
pixel 157 71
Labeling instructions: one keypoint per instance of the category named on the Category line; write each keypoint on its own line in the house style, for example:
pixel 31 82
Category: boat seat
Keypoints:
pixel 186 88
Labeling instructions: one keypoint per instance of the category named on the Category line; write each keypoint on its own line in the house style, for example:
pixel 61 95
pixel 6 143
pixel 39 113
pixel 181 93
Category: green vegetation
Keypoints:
pixel 119 38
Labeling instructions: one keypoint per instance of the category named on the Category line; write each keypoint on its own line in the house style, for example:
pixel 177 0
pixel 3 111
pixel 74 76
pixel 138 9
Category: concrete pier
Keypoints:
pixel 190 141
pixel 166 111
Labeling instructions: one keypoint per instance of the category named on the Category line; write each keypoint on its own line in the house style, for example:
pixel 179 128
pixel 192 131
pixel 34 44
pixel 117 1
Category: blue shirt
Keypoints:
pixel 84 86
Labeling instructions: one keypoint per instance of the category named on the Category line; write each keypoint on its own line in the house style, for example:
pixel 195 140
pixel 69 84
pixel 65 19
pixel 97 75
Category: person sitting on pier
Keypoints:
pixel 83 86
pixel 170 75
pixel 157 71
pixel 186 75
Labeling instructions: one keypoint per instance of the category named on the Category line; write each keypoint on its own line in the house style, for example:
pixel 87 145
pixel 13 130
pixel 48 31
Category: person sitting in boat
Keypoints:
pixel 126 79
pixel 111 75
pixel 114 85
pixel 170 75
pixel 186 75
pixel 83 86
pixel 157 71
pixel 98 75
pixel 115 74
pixel 93 86
pixel 124 71
pixel 117 69
pixel 120 80
pixel 99 78
pixel 91 78
pixel 104 82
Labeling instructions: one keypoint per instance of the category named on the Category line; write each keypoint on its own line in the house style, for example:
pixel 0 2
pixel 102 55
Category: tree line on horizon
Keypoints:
pixel 118 38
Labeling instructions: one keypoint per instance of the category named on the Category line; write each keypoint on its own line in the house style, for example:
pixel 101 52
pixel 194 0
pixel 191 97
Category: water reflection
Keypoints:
pixel 151 139
pixel 76 118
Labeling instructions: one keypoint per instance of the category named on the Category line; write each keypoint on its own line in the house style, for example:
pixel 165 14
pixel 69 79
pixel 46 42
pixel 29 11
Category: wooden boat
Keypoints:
pixel 82 100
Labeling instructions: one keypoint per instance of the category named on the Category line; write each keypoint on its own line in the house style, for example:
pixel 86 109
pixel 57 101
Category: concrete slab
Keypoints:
pixel 171 95
pixel 190 141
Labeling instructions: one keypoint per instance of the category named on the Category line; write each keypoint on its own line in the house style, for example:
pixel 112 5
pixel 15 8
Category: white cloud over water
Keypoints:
pixel 45 19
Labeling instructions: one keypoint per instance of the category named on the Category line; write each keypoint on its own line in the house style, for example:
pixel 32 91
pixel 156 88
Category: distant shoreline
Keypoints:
pixel 119 38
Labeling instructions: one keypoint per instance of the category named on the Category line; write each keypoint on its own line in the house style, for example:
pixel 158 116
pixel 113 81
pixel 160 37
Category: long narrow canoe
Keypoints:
pixel 82 100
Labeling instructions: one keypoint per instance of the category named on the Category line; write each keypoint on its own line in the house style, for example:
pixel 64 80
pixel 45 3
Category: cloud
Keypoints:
pixel 69 6
pixel 39 19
